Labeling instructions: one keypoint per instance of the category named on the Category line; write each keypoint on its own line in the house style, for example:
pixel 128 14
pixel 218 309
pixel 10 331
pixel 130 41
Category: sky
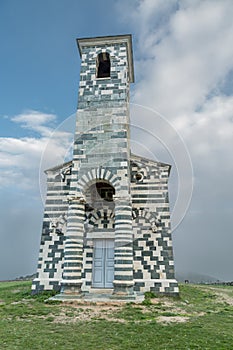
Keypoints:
pixel 181 113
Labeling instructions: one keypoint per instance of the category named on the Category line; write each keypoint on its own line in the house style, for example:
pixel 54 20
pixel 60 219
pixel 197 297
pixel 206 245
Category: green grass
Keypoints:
pixel 28 322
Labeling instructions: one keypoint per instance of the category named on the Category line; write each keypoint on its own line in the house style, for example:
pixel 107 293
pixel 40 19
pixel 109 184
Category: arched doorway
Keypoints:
pixel 100 205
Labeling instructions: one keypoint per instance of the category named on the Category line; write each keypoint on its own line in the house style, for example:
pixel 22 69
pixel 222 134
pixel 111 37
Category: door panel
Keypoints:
pixel 109 263
pixel 98 277
pixel 103 263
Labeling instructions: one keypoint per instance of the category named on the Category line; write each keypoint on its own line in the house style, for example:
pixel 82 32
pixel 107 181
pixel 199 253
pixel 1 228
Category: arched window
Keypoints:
pixel 99 195
pixel 100 191
pixel 103 65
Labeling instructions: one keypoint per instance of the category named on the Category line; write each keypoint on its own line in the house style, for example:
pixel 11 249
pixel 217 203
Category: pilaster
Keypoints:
pixel 123 278
pixel 73 252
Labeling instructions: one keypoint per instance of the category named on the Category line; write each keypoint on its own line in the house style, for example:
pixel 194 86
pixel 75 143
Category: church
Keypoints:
pixel 106 226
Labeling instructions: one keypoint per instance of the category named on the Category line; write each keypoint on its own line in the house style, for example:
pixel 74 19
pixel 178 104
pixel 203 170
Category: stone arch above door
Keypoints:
pixel 97 174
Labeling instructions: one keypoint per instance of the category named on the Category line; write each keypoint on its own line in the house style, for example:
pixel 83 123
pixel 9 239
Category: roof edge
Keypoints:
pixel 150 160
pixel 60 166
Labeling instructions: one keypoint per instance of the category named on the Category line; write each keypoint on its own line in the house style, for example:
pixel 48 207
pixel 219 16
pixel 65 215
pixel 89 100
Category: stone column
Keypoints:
pixel 123 278
pixel 73 252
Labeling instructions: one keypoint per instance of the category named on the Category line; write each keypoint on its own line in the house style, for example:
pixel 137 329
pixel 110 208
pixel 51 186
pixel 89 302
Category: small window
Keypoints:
pixel 139 176
pixel 103 65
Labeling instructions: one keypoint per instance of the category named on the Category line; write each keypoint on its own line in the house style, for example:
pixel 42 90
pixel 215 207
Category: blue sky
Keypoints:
pixel 183 57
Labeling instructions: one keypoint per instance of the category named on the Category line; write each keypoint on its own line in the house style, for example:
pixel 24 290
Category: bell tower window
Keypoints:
pixel 103 65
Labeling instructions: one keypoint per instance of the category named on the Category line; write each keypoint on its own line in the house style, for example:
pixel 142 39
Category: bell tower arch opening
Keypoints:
pixel 103 65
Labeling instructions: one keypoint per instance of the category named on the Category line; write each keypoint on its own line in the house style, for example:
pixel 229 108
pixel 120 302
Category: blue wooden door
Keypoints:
pixel 109 263
pixel 103 263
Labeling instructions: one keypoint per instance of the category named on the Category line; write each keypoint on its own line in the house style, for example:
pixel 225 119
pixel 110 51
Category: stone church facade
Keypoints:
pixel 106 222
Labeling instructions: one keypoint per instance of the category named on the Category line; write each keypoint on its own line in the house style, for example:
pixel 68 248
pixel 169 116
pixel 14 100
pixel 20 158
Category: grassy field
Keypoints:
pixel 202 318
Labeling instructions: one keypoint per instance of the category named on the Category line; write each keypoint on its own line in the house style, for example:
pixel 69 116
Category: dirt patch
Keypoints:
pixel 15 291
pixel 172 319
pixel 88 312
pixel 164 305
pixel 222 295
pixel 22 301
pixel 72 312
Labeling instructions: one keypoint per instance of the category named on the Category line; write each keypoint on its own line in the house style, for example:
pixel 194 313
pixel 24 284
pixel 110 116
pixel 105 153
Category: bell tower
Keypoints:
pixel 102 155
pixel 102 127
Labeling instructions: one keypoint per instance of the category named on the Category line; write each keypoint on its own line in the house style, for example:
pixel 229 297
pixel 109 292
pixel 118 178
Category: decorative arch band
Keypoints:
pixel 97 174
pixel 106 215
pixel 151 217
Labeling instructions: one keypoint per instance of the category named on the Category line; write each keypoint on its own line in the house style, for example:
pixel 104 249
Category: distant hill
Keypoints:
pixel 22 278
pixel 26 278
pixel 193 277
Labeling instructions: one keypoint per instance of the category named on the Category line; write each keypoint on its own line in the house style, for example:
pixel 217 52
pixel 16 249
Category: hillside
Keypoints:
pixel 201 318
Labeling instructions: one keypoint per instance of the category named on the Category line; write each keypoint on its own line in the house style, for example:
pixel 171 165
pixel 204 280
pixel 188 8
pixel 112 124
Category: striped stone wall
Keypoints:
pixel 153 253
pixel 138 219
pixel 51 254
pixel 153 264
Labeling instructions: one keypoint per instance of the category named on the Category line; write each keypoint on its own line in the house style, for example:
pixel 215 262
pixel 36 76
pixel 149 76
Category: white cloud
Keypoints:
pixel 186 54
pixel 36 121
pixel 34 118
pixel 183 54
pixel 213 123
pixel 185 62
pixel 20 158
pixel 186 51
pixel 22 161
